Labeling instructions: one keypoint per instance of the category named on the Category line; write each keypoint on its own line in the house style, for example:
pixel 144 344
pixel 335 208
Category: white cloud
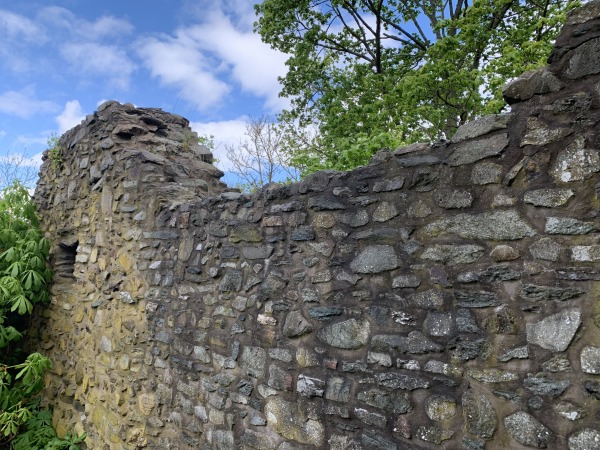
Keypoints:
pixel 253 64
pixel 226 133
pixel 71 116
pixel 100 60
pixel 17 26
pixel 203 61
pixel 28 141
pixel 177 62
pixel 102 28
pixel 2 134
pixel 24 104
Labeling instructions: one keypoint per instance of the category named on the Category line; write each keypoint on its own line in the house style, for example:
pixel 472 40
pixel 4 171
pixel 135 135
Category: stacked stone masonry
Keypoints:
pixel 443 297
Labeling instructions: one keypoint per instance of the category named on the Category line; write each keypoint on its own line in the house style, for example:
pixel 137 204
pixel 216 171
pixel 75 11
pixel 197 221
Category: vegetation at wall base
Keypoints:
pixel 24 278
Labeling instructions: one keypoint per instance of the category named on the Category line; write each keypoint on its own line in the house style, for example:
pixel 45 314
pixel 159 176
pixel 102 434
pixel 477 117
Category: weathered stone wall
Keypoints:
pixel 444 296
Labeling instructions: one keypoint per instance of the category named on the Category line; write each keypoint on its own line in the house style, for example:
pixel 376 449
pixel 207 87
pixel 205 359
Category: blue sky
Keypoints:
pixel 200 59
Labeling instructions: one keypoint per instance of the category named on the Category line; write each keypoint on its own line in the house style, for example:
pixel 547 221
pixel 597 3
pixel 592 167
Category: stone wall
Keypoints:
pixel 442 297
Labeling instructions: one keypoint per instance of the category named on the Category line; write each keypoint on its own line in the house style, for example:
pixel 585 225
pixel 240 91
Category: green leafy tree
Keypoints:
pixel 399 70
pixel 24 277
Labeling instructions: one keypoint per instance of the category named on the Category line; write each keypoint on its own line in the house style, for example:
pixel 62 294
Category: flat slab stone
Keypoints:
pixel 453 254
pixel 497 225
pixel 585 253
pixel 550 293
pixel 395 380
pixel 474 150
pixel 568 225
pixel 481 126
pixel 555 332
pixel 549 198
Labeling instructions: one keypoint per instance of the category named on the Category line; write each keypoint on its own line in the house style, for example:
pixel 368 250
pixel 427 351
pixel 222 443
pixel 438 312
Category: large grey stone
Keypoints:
pixel 491 375
pixel 370 418
pixel 453 198
pixel 430 299
pixel 576 162
pixel 338 390
pixel 527 430
pixel 486 173
pixel 438 323
pixel 296 325
pixel 261 441
pixel 496 225
pixel 531 83
pixel 395 380
pixel 585 60
pixel 481 126
pixel 479 414
pixel 476 299
pixel 474 150
pixel 538 133
pixel 568 225
pixel 293 421
pixel 440 408
pixel 392 184
pixel 542 385
pixel 395 402
pixel 550 293
pixel 588 11
pixel 545 249
pixel 261 252
pixel 223 440
pixel 232 281
pixel 309 386
pixel 355 219
pixel 555 332
pixel 375 259
pixel 499 273
pixel 585 253
pixel 350 334
pixel 253 360
pixel 406 281
pixel 453 254
pixel 549 198
pixel 384 212
pixel 586 439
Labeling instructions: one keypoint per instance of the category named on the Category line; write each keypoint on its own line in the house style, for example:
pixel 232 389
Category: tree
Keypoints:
pixel 260 158
pixel 400 70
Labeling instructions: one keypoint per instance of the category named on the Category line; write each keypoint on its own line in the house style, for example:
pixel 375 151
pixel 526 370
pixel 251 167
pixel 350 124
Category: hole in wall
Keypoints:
pixel 64 259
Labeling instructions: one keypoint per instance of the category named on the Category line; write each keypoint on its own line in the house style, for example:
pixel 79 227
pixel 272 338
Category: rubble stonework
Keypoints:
pixel 443 296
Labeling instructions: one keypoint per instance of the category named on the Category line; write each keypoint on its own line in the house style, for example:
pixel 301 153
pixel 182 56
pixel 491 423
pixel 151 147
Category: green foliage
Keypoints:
pixel 410 70
pixel 23 283
pixel 54 150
